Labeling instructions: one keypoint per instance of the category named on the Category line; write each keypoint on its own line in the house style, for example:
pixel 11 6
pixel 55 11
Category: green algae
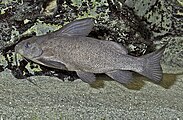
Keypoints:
pixel 51 8
pixel 41 28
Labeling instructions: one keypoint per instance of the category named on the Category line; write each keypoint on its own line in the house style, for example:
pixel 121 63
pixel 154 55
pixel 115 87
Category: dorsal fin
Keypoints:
pixel 80 27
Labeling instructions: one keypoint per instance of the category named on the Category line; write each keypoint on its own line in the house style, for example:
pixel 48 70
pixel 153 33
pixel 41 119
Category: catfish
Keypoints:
pixel 70 49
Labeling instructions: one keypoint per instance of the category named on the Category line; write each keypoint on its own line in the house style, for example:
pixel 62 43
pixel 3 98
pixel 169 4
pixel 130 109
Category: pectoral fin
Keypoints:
pixel 77 28
pixel 123 77
pixel 86 76
pixel 51 63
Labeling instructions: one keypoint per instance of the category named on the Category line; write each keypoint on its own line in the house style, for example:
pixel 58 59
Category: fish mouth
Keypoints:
pixel 17 51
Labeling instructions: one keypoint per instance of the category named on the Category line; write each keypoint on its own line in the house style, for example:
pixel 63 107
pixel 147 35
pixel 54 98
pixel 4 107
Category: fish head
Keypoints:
pixel 28 48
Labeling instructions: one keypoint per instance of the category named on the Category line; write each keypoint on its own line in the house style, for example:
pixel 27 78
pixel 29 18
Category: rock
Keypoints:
pixel 172 61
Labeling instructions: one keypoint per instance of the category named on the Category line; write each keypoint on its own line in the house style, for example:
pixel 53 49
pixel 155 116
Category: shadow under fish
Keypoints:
pixel 69 49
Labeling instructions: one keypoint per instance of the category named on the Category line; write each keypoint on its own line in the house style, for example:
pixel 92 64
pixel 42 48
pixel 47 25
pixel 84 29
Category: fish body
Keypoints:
pixel 70 49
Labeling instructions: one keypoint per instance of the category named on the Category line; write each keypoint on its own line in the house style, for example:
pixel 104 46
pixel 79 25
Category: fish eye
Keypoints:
pixel 27 45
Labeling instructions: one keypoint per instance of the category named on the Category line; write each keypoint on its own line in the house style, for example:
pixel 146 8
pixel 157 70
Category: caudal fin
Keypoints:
pixel 152 67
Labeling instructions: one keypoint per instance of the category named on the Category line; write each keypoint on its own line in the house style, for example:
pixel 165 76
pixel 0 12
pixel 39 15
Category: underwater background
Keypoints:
pixel 35 92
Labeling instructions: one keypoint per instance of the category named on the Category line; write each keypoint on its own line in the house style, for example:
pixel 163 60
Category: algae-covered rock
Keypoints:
pixel 13 17
pixel 156 12
pixel 172 60
pixel 141 7
pixel 133 24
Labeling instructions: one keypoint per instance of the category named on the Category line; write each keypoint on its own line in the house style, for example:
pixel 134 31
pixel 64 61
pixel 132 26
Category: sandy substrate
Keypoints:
pixel 55 99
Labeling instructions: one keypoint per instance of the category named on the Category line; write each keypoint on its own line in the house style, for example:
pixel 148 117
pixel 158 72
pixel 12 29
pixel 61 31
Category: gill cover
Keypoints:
pixel 31 50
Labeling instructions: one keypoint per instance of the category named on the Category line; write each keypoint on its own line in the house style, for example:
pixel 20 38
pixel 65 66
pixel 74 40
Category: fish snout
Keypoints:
pixel 18 49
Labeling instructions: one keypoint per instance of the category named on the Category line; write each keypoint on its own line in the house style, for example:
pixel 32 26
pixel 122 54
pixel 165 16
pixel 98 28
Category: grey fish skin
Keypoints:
pixel 70 49
pixel 89 55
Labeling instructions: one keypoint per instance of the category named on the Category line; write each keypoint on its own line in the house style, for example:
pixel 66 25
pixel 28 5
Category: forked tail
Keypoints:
pixel 152 67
